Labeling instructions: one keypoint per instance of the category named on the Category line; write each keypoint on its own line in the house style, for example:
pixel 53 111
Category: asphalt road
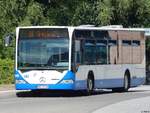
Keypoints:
pixel 60 102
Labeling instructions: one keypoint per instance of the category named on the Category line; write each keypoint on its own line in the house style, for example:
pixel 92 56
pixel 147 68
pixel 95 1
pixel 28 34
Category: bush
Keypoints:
pixel 6 71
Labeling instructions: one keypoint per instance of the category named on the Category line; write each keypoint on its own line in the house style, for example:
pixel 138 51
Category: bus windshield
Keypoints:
pixel 43 53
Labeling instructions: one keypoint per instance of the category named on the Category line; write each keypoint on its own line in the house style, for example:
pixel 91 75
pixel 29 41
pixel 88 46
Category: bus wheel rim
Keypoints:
pixel 90 84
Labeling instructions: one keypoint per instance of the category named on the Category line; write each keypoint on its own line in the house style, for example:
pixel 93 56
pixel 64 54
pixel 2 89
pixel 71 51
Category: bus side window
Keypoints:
pixel 101 52
pixel 89 52
pixel 126 42
pixel 135 43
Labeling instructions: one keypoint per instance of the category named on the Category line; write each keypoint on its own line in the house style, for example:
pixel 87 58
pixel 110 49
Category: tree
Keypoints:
pixel 129 13
pixel 104 12
pixel 15 13
pixel 34 15
pixel 84 14
pixel 7 22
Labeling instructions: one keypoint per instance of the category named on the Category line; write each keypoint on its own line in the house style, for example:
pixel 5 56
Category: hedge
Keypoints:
pixel 6 71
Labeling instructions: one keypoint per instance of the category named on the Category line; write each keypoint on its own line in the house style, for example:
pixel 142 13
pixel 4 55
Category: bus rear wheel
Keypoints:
pixel 126 83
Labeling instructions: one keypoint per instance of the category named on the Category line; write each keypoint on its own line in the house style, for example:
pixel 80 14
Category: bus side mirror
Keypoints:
pixel 8 40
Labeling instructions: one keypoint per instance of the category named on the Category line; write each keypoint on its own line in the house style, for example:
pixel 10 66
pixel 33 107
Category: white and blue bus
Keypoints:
pixel 79 58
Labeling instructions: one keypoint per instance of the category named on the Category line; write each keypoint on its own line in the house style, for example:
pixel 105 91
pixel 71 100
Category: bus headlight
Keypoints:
pixel 20 82
pixel 70 81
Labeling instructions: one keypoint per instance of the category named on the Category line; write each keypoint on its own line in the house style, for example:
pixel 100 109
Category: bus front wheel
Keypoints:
pixel 90 85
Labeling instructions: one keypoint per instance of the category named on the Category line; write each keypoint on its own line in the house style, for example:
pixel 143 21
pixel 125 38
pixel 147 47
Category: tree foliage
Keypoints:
pixel 13 13
pixel 129 13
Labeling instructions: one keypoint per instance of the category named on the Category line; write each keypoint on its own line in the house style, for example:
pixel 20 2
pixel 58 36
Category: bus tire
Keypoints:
pixel 90 85
pixel 18 94
pixel 126 82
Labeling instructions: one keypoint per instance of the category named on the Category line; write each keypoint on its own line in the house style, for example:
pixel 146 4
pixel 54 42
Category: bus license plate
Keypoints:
pixel 42 87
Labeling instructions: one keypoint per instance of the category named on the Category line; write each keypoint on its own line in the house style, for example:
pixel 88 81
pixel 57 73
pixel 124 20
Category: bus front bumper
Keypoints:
pixel 45 86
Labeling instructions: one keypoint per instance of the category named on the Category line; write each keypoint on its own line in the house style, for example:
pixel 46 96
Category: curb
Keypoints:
pixel 7 91
pixel 7 87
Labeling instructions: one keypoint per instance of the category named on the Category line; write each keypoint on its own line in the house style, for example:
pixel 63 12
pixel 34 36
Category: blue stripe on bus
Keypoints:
pixel 79 84
pixel 109 83
pixel 100 83
pixel 137 81
pixel 82 84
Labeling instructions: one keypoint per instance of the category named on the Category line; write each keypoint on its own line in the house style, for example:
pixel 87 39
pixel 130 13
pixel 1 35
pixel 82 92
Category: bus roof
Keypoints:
pixel 88 28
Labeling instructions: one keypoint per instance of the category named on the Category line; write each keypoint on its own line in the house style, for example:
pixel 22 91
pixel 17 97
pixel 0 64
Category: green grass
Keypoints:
pixel 6 71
